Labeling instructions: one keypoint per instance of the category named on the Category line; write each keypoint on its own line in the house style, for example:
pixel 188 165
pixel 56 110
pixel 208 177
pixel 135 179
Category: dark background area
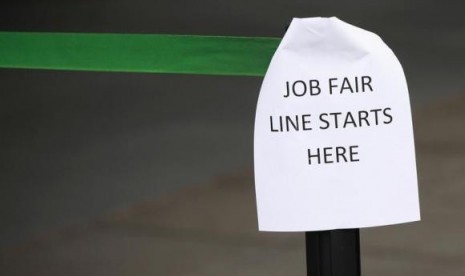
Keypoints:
pixel 77 145
pixel 427 36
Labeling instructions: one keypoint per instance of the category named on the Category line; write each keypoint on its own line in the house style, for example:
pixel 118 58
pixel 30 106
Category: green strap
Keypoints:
pixel 183 54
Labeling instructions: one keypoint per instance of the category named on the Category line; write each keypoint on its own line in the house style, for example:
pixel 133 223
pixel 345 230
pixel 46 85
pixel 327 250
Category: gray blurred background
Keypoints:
pixel 85 153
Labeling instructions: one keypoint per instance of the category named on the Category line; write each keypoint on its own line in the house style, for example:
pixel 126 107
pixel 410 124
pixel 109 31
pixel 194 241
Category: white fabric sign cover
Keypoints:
pixel 334 143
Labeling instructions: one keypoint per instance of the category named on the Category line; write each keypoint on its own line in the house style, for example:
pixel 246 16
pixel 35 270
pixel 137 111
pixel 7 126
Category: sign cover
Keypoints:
pixel 333 143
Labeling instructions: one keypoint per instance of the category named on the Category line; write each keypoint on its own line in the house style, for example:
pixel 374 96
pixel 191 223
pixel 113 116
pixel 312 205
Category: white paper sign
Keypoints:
pixel 334 143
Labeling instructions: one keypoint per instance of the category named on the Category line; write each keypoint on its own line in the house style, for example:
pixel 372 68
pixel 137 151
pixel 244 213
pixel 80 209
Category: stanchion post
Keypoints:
pixel 333 253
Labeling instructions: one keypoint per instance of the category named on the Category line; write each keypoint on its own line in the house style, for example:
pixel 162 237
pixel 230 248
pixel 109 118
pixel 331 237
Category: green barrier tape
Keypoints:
pixel 183 54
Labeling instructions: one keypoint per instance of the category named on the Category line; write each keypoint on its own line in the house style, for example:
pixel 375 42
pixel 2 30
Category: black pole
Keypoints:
pixel 333 253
